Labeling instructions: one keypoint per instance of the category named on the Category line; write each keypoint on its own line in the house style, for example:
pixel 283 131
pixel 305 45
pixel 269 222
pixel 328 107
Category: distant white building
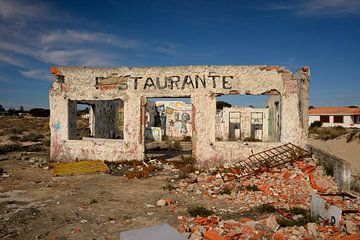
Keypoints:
pixel 335 116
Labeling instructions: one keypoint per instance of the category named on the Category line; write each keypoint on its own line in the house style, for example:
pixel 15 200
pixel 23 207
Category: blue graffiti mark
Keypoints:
pixel 57 126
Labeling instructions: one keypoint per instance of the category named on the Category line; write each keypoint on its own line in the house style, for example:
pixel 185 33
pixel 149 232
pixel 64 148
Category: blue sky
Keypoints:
pixel 35 35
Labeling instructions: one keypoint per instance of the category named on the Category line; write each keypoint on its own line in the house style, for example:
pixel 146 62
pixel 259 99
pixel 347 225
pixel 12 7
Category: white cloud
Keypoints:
pixel 40 74
pixel 329 7
pixel 5 79
pixel 15 10
pixel 11 60
pixel 319 7
pixel 25 39
pixel 82 36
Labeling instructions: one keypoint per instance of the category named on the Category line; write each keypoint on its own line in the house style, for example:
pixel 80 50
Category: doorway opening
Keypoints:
pixel 168 128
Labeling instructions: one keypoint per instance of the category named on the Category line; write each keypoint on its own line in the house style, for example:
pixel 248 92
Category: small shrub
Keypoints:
pixel 316 124
pixel 199 211
pixel 225 191
pixel 265 208
pixel 327 133
pixel 355 133
pixel 185 165
pixel 144 173
pixel 169 187
pixel 9 148
pixel 31 137
pixel 304 219
pixel 252 188
pixel 15 137
pixel 175 145
pixel 46 142
pixel 34 148
pixel 17 130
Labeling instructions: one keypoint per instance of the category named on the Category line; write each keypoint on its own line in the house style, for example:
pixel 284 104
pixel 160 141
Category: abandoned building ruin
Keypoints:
pixel 117 102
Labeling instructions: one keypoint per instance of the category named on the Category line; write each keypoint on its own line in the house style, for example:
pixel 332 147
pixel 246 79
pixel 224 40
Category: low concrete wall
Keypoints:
pixel 337 167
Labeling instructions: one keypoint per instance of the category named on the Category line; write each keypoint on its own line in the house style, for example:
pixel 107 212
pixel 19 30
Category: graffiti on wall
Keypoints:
pixel 178 122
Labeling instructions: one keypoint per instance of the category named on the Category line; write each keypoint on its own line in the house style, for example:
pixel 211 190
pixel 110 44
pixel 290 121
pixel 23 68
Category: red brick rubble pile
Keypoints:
pixel 273 205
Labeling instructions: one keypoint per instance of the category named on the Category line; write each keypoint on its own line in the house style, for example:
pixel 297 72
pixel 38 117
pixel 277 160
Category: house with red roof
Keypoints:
pixel 347 117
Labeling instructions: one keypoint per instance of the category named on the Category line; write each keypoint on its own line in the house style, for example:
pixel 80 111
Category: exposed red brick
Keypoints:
pixel 355 236
pixel 108 87
pixel 212 235
pixel 170 201
pixel 54 70
pixel 305 69
pixel 201 220
pixel 314 184
pixel 278 236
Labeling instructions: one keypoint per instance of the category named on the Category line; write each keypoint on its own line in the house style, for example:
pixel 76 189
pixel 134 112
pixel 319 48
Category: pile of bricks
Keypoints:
pixel 289 187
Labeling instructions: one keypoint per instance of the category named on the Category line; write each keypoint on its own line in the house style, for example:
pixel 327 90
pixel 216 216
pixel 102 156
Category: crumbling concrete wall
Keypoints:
pixel 334 166
pixel 201 83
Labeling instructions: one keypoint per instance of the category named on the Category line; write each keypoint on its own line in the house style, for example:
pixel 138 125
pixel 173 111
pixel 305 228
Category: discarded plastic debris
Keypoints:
pixel 264 161
pixel 69 168
pixel 162 231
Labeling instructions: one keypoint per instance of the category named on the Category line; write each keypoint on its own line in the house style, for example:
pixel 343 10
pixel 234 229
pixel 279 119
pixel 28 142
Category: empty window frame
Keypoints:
pixel 98 119
pixel 248 118
pixel 234 126
pixel 257 119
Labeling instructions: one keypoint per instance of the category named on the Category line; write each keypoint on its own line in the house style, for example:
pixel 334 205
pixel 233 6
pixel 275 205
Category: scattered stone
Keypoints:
pixel 272 223
pixel 161 203
pixel 311 227
pixel 351 227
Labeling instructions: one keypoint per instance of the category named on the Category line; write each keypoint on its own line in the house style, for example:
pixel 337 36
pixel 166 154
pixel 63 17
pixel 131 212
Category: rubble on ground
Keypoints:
pixel 285 194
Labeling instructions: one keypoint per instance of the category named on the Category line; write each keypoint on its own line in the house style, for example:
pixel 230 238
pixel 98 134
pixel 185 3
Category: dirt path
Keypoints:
pixel 35 205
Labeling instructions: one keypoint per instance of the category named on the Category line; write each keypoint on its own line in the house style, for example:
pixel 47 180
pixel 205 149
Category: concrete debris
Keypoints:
pixel 278 200
pixel 135 169
pixel 264 161
pixel 351 227
pixel 311 227
pixel 272 223
pixel 161 203
pixel 4 174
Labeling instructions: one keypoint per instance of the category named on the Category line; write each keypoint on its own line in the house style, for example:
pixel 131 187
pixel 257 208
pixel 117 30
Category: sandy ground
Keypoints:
pixel 339 147
pixel 36 205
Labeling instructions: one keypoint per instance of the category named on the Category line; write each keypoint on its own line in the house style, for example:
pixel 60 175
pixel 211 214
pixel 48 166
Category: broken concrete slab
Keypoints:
pixel 325 211
pixel 162 231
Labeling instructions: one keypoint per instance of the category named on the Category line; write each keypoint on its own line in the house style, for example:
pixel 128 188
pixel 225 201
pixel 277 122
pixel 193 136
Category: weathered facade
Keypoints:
pixel 105 89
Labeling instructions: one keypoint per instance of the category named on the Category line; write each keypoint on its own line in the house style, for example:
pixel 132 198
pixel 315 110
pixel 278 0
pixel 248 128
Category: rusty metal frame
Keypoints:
pixel 263 161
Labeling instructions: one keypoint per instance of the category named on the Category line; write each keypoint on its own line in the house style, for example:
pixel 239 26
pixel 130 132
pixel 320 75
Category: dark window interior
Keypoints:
pixel 324 119
pixel 338 119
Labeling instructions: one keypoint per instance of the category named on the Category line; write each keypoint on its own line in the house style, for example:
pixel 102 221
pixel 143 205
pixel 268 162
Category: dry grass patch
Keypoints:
pixel 327 133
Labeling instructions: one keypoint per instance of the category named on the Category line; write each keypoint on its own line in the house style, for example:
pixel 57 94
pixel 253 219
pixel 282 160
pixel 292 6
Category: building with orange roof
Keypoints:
pixel 348 117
